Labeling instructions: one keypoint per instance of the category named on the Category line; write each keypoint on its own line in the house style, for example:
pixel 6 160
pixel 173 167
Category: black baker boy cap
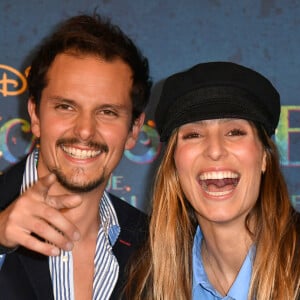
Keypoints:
pixel 216 90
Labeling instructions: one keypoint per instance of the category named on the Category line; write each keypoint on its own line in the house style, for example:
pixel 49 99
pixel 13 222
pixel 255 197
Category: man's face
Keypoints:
pixel 84 120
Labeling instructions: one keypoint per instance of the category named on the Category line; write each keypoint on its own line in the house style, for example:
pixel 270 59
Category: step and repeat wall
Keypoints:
pixel 174 35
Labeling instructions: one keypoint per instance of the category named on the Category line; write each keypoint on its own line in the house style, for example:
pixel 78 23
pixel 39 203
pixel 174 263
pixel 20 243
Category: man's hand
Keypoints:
pixel 35 213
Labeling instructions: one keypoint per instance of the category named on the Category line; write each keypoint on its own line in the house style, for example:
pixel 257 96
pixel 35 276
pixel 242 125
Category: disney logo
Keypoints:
pixel 13 82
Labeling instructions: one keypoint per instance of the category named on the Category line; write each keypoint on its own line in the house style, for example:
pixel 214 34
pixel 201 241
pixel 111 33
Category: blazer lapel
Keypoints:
pixel 37 268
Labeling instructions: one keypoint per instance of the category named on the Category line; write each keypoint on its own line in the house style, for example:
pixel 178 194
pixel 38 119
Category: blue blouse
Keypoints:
pixel 202 288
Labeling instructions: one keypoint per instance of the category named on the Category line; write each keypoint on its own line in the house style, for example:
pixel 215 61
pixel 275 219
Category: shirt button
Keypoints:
pixel 65 258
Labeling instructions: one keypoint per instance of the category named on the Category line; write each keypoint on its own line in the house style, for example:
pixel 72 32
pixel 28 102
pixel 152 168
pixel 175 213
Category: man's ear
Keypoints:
pixel 134 132
pixel 35 121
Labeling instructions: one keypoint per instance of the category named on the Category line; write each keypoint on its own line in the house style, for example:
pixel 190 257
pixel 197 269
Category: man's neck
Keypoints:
pixel 85 216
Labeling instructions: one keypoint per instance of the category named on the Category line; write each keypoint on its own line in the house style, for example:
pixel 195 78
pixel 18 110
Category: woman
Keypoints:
pixel 222 226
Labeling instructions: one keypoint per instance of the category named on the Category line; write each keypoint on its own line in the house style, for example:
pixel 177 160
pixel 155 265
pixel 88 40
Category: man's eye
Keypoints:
pixel 108 112
pixel 236 132
pixel 63 107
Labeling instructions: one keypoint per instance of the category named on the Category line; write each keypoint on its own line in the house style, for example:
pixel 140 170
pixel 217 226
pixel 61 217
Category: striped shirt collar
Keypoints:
pixel 104 262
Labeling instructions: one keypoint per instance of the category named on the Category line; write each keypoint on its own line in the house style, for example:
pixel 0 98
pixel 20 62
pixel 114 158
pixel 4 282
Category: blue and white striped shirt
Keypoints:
pixel 106 267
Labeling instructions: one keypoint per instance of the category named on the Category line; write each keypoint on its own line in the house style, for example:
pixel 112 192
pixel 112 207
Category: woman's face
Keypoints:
pixel 219 164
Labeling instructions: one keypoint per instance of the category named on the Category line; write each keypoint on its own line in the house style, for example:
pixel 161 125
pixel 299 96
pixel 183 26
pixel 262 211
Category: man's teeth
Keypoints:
pixel 218 175
pixel 81 154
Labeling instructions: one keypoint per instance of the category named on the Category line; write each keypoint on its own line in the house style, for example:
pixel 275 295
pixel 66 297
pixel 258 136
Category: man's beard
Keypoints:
pixel 72 185
pixel 77 187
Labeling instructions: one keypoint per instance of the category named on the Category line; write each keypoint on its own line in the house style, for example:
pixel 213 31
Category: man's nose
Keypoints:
pixel 85 127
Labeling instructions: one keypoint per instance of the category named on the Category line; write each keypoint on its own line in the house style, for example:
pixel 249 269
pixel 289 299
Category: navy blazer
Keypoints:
pixel 25 274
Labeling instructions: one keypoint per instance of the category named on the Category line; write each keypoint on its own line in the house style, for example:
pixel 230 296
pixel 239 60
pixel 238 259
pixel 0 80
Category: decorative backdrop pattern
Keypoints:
pixel 174 35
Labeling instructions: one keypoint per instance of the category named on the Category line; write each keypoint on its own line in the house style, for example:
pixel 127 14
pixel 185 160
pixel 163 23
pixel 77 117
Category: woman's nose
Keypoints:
pixel 215 147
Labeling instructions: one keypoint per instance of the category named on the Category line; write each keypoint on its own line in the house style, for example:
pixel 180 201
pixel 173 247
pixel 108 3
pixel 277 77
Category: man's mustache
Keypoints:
pixel 91 144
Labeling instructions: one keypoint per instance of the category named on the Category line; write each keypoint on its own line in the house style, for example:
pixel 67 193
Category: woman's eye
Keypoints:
pixel 236 132
pixel 191 135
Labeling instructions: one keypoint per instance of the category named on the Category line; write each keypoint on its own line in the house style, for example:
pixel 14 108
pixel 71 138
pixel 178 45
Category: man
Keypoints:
pixel 62 235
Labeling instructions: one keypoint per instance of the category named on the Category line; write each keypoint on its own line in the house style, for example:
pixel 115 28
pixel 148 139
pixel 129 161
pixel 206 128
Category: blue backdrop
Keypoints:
pixel 174 35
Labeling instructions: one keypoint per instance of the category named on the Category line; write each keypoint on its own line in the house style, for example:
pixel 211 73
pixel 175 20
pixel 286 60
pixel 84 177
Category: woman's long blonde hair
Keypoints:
pixel 164 268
